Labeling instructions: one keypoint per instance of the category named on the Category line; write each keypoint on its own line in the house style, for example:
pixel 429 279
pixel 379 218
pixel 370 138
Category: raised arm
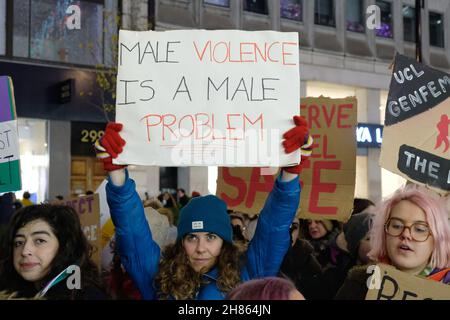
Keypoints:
pixel 139 253
pixel 272 240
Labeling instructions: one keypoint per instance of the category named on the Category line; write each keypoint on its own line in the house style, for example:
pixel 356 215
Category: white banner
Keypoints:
pixel 196 97
pixel 9 141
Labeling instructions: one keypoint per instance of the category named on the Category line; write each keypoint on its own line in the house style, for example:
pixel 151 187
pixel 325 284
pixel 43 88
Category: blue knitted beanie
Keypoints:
pixel 205 214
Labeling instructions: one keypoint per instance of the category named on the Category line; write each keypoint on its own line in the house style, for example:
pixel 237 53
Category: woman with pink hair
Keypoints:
pixel 270 288
pixel 410 232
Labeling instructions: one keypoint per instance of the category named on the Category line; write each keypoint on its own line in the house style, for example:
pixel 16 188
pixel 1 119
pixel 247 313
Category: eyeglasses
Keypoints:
pixel 419 231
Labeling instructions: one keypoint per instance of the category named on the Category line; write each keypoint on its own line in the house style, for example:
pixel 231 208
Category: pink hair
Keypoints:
pixel 270 288
pixel 436 217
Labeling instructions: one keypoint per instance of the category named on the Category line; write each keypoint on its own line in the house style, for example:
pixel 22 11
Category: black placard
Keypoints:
pixel 424 167
pixel 414 89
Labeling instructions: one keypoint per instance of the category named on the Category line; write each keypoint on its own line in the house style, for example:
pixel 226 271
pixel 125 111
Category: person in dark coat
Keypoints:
pixel 317 282
pixel 44 246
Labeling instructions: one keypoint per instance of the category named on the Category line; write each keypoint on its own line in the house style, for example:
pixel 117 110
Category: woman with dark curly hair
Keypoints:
pixel 43 246
pixel 204 263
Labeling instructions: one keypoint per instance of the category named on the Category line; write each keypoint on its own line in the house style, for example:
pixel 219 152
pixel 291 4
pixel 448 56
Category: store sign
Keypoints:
pixel 83 137
pixel 65 91
pixel 369 135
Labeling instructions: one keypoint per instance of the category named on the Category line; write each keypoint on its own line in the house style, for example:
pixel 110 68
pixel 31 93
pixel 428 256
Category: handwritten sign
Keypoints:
pixel 328 176
pixel 388 283
pixel 88 210
pixel 197 97
pixel 10 179
pixel 416 134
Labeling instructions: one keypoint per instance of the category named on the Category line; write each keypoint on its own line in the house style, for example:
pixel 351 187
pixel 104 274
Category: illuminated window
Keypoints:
pixel 436 30
pixel 354 15
pixel 324 13
pixel 221 3
pixel 257 6
pixel 409 24
pixel 50 33
pixel 385 30
pixel 291 9
pixel 34 159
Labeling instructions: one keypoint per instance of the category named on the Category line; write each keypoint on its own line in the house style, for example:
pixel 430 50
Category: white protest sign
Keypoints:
pixel 9 141
pixel 197 97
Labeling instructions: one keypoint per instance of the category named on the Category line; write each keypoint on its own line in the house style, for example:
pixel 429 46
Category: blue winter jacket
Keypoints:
pixel 141 255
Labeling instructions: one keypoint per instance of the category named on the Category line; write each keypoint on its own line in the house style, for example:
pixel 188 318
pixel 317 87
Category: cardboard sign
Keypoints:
pixel 88 210
pixel 328 176
pixel 416 137
pixel 198 98
pixel 388 283
pixel 10 179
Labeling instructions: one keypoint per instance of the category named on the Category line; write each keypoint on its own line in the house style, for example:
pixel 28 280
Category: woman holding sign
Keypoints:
pixel 46 255
pixel 410 232
pixel 203 263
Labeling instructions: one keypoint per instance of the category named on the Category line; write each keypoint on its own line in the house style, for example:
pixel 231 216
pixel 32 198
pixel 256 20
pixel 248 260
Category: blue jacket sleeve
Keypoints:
pixel 272 240
pixel 139 253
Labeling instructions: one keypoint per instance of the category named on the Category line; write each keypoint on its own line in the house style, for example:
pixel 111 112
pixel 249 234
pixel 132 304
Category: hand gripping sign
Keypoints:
pixel 328 176
pixel 197 97
pixel 416 133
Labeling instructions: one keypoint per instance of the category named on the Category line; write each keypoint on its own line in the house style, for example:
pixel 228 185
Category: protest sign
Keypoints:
pixel 328 176
pixel 416 133
pixel 197 97
pixel 88 210
pixel 10 179
pixel 387 283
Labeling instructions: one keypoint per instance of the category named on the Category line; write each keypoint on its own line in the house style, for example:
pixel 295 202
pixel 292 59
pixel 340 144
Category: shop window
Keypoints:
pixel 221 3
pixel 168 179
pixel 409 24
pixel 212 179
pixel 34 158
pixel 436 30
pixel 390 182
pixel 354 15
pixel 44 30
pixel 257 6
pixel 291 9
pixel 385 30
pixel 2 27
pixel 324 13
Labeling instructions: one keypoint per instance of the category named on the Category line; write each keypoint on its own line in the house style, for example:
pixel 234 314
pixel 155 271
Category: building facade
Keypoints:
pixel 341 54
pixel 54 50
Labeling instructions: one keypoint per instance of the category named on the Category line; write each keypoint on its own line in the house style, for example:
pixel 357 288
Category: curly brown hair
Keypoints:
pixel 178 280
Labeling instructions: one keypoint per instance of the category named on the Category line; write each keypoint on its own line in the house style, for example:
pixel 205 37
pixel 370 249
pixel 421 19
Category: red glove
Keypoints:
pixel 110 146
pixel 298 138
